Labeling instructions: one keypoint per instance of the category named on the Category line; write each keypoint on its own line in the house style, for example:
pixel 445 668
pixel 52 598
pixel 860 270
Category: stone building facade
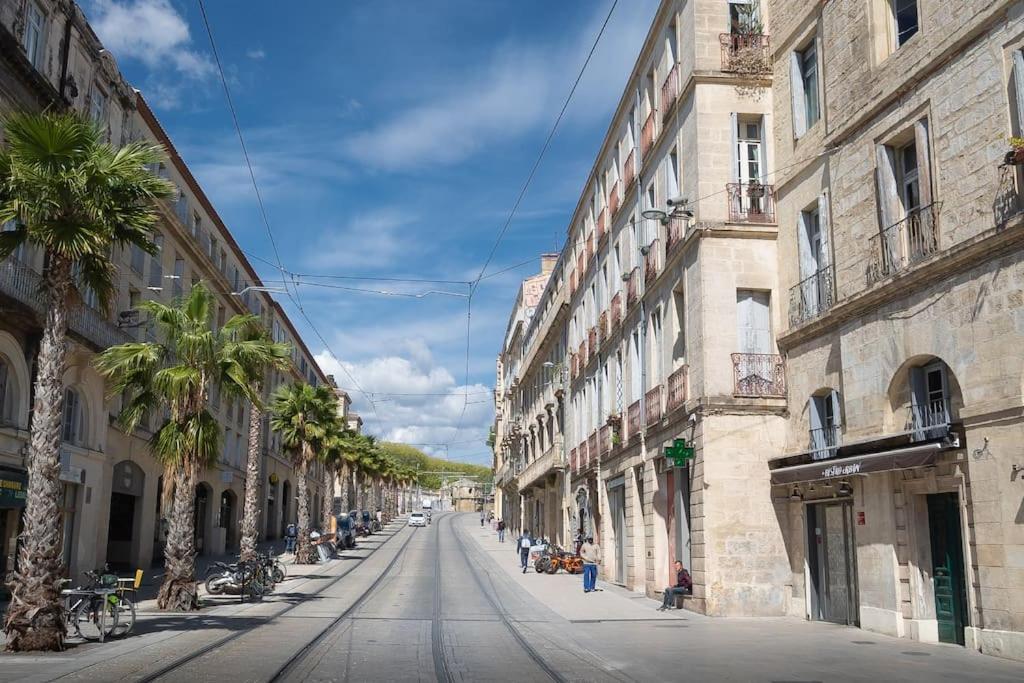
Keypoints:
pixel 49 57
pixel 897 484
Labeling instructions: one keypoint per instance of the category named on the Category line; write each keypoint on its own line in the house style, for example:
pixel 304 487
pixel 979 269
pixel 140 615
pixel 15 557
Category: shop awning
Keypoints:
pixel 895 459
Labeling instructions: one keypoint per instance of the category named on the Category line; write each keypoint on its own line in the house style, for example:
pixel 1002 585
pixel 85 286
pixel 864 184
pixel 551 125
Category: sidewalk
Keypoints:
pixel 563 593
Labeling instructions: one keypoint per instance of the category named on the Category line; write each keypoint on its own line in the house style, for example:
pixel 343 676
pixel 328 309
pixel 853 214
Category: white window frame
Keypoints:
pixel 35 21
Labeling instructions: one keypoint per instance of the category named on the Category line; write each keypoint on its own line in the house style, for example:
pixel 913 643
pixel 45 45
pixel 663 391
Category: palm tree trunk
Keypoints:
pixel 304 553
pixel 178 592
pixel 327 506
pixel 251 508
pixel 345 477
pixel 35 619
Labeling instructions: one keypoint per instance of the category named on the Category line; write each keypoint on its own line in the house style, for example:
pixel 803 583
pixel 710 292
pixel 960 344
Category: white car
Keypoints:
pixel 417 519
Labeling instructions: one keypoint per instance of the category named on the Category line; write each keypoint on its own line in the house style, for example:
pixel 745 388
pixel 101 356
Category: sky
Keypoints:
pixel 389 139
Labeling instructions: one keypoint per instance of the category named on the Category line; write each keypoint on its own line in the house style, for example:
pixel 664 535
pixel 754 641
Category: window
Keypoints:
pixel 98 105
pixel 213 248
pixel 744 17
pixel 72 432
pixel 803 74
pixel 904 19
pixel 179 275
pixel 672 176
pixel 753 322
pixel 235 279
pixel 223 263
pixel 824 419
pixel 197 225
pixel 655 357
pixel 929 401
pixel 634 368
pixel 35 23
pixel 679 346
pixel 908 178
pixel 138 259
pixel 749 165
pixel 156 268
pixel 904 176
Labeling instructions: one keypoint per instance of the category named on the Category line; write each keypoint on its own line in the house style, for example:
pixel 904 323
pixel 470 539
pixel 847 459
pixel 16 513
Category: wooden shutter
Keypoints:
pixel 918 401
pixel 888 194
pixel 734 146
pixel 825 224
pixel 924 169
pixel 1018 86
pixel 815 415
pixel 807 261
pixel 796 90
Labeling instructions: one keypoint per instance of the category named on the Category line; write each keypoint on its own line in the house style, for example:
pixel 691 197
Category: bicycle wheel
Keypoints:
pixel 89 615
pixel 279 572
pixel 125 617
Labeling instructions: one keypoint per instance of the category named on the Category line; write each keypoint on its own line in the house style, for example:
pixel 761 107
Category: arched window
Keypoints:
pixel 74 417
pixel 8 393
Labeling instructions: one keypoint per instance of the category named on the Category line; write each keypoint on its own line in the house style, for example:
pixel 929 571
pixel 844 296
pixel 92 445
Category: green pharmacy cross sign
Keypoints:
pixel 679 452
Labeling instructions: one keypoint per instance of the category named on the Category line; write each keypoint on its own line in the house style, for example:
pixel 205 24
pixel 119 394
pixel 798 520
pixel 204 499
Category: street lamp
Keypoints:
pixel 253 288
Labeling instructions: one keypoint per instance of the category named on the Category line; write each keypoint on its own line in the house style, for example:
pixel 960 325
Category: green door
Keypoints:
pixel 947 566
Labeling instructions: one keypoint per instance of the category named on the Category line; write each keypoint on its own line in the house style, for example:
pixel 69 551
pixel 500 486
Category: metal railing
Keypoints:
pixel 812 296
pixel 583 355
pixel 751 202
pixel 824 442
pixel 633 419
pixel 592 452
pixel 747 53
pixel 676 389
pixel 670 90
pixel 616 310
pixel 592 340
pixel 574 463
pixel 759 375
pixel 929 420
pixel 629 168
pixel 602 224
pixel 652 409
pixel 604 440
pixel 652 265
pixel 602 327
pixel 901 245
pixel 633 287
pixel 647 135
pixel 674 234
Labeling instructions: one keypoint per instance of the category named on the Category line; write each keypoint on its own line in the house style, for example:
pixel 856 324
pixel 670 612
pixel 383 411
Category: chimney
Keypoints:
pixel 547 263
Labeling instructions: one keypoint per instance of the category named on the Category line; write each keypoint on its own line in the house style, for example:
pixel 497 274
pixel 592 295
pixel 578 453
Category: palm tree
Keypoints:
pixel 174 377
pixel 256 356
pixel 74 197
pixel 301 414
pixel 331 455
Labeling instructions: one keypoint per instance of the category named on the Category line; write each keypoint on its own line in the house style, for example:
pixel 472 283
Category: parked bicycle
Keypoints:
pixel 100 609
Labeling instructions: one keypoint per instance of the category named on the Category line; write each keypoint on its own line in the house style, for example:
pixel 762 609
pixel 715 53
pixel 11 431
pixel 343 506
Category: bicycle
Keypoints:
pixel 126 605
pixel 93 611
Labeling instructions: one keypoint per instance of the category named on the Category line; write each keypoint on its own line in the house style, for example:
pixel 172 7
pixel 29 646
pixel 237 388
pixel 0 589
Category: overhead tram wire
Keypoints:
pixel 262 207
pixel 522 195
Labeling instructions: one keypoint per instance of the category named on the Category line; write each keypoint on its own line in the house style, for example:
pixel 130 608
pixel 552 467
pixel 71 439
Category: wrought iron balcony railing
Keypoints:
pixel 652 263
pixel 633 287
pixel 676 231
pixel 676 389
pixel 616 310
pixel 647 135
pixel 602 225
pixel 614 197
pixel 751 202
pixel 759 375
pixel 652 408
pixel 929 420
pixel 633 420
pixel 604 440
pixel 812 296
pixel 669 90
pixel 629 169
pixel 900 246
pixel 746 53
pixel 824 442
pixel 592 452
pixel 574 462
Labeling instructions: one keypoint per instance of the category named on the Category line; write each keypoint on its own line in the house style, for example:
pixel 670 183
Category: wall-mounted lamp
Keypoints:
pixel 797 494
pixel 845 489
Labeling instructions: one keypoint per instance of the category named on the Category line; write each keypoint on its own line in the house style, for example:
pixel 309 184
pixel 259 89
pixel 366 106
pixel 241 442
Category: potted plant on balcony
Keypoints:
pixel 1015 157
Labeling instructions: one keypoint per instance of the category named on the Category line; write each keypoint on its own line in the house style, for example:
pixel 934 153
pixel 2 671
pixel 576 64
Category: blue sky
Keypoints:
pixel 390 139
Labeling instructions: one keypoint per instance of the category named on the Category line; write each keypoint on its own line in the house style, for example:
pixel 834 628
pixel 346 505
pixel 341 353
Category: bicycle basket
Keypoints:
pixel 108 580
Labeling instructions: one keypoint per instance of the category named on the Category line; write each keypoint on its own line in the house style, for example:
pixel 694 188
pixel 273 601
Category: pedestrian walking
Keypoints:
pixel 501 531
pixel 291 532
pixel 483 518
pixel 683 586
pixel 524 549
pixel 591 554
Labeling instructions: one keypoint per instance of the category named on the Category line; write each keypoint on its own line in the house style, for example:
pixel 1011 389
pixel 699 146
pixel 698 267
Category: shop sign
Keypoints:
pixel 13 488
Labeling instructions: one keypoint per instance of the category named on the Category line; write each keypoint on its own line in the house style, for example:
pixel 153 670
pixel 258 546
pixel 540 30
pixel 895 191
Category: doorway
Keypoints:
pixel 947 566
pixel 127 487
pixel 617 510
pixel 201 515
pixel 831 563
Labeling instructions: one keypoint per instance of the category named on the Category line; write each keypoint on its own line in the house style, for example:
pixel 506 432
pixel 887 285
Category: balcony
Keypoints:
pixel 669 90
pixel 652 409
pixel 592 453
pixel 614 197
pixel 592 339
pixel 674 234
pixel 582 456
pixel 633 287
pixel 647 135
pixel 745 53
pixel 652 267
pixel 574 462
pixel 583 356
pixel 542 466
pixel 824 442
pixel 602 225
pixel 604 440
pixel 751 202
pixel 602 327
pixel 574 361
pixel 812 296
pixel 22 283
pixel 590 246
pixel 629 169
pixel 759 375
pixel 616 310
pixel 676 389
pixel 633 420
pixel 929 420
pixel 581 266
pixel 900 246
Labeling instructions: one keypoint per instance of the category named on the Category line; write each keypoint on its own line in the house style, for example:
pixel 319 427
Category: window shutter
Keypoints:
pixel 815 414
pixel 1018 86
pixel 825 226
pixel 924 168
pixel 837 413
pixel 765 127
pixel 796 90
pixel 888 195
pixel 807 262
pixel 918 401
pixel 734 128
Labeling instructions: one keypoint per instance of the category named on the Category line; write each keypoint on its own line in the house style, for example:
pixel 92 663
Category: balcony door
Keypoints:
pixel 754 336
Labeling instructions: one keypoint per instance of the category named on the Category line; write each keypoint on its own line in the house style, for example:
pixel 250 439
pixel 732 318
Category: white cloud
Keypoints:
pixel 152 32
pixel 255 54
pixel 371 239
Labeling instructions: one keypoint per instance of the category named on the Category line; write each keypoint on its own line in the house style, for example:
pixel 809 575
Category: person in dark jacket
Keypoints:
pixel 523 543
pixel 683 586
pixel 501 531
